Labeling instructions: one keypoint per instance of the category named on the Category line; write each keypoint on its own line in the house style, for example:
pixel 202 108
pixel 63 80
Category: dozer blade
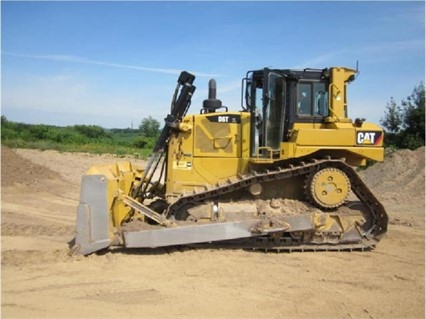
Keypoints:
pixel 100 211
pixel 92 228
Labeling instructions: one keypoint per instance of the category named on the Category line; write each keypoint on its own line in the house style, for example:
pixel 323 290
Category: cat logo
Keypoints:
pixel 369 138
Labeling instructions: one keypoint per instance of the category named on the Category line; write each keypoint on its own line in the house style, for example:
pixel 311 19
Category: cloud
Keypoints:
pixel 366 52
pixel 82 60
pixel 319 61
pixel 68 98
pixel 392 47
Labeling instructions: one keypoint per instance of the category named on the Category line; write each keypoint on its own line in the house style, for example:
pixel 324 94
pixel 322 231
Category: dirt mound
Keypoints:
pixel 402 174
pixel 16 169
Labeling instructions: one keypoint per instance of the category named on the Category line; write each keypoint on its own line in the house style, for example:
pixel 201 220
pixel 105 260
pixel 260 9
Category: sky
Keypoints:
pixel 115 63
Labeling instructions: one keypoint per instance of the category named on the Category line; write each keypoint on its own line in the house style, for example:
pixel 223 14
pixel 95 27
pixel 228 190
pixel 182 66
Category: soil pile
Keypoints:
pixel 401 175
pixel 16 169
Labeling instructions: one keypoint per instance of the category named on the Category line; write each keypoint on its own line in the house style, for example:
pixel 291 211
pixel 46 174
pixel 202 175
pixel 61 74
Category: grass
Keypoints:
pixel 92 148
pixel 78 138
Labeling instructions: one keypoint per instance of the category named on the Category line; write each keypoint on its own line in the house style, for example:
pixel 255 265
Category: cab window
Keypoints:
pixel 304 99
pixel 312 99
pixel 320 99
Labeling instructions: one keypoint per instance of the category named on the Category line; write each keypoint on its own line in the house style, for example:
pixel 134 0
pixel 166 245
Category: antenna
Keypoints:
pixel 357 71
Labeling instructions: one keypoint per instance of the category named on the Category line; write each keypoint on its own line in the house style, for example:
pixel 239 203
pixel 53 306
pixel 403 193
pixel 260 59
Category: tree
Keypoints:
pixel 414 115
pixel 405 124
pixel 392 119
pixel 149 127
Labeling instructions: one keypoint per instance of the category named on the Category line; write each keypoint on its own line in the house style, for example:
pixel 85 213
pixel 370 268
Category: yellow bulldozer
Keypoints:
pixel 277 175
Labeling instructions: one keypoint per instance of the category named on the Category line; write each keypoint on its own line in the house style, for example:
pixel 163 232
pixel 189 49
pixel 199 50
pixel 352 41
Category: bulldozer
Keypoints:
pixel 279 174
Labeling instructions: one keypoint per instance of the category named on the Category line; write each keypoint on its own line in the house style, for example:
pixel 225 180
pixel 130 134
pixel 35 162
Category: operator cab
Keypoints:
pixel 277 99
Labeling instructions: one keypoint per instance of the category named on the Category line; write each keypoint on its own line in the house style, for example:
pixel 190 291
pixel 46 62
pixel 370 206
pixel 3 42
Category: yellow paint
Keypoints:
pixel 120 178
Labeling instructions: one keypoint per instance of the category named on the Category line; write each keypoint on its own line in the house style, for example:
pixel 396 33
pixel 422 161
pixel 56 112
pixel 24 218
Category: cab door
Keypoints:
pixel 274 111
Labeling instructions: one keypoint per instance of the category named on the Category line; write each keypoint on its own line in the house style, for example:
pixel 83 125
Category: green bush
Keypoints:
pixel 143 142
pixel 39 131
pixel 77 138
pixel 66 136
pixel 8 134
pixel 92 131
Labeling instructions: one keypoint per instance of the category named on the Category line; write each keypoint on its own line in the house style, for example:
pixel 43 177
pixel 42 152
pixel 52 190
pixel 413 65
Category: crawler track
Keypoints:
pixel 377 217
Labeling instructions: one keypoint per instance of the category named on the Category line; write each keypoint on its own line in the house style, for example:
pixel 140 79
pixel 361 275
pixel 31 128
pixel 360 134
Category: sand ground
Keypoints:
pixel 40 192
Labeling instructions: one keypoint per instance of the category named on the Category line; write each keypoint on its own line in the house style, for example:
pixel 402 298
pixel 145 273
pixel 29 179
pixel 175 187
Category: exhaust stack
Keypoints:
pixel 211 104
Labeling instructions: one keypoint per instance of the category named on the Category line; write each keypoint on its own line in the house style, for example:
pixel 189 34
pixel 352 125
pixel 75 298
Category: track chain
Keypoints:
pixel 370 238
pixel 287 245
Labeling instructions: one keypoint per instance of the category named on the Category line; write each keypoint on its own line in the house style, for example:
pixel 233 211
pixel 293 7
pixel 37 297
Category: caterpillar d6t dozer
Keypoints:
pixel 279 174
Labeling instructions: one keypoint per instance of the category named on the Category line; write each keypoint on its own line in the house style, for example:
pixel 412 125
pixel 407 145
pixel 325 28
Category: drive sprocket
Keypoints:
pixel 328 188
